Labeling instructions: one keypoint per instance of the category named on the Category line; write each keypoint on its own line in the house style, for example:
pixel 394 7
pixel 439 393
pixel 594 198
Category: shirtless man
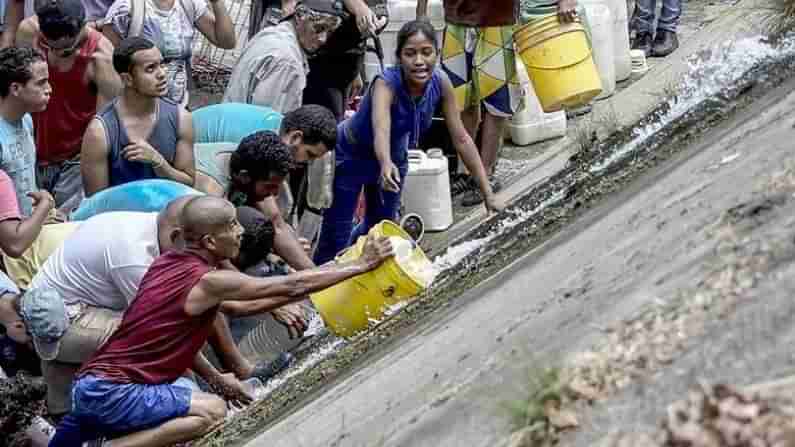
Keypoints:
pixel 141 134
pixel 83 81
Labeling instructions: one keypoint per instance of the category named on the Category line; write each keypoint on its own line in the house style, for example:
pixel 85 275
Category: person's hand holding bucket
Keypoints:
pixel 375 251
pixel 293 317
pixel 567 11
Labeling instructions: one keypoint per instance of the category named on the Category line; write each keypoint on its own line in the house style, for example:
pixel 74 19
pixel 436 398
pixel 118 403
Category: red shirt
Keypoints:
pixel 73 103
pixel 481 13
pixel 157 340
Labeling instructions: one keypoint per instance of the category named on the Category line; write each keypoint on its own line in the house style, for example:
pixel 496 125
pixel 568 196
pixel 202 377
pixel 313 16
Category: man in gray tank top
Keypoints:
pixel 141 134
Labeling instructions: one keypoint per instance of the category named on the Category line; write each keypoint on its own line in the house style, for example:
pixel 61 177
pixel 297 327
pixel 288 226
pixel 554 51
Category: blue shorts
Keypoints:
pixel 101 408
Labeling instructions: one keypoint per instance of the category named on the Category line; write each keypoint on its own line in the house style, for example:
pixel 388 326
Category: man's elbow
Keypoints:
pixel 90 187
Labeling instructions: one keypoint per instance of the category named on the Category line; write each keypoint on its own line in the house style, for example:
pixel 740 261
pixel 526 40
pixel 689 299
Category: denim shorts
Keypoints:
pixel 101 408
pixel 127 407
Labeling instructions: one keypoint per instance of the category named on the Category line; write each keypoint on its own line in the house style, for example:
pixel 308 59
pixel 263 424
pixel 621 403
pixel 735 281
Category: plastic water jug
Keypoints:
pixel 618 9
pixel 427 189
pixel 529 105
pixel 600 22
pixel 530 124
pixel 553 125
pixel 401 12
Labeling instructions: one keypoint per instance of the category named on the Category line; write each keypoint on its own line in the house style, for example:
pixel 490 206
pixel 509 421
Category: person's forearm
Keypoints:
pixel 26 232
pixel 356 7
pixel 165 170
pixel 224 28
pixel 249 308
pixel 381 146
pixel 15 12
pixel 29 229
pixel 205 369
pixel 278 291
pixel 287 246
pixel 422 8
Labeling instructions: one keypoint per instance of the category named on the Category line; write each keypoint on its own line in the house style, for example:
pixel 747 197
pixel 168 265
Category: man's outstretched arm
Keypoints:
pixel 224 285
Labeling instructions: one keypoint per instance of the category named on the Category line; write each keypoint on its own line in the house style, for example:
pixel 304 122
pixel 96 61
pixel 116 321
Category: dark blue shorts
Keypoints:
pixel 101 408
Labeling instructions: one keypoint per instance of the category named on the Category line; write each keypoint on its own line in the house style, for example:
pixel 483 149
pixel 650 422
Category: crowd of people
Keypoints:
pixel 115 311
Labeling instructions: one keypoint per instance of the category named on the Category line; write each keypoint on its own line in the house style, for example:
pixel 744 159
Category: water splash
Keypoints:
pixel 455 254
pixel 315 357
pixel 709 73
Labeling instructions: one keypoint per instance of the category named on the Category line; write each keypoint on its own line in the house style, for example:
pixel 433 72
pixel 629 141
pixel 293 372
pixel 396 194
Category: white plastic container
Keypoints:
pixel 530 107
pixel 400 12
pixel 600 21
pixel 427 189
pixel 530 124
pixel 553 125
pixel 618 9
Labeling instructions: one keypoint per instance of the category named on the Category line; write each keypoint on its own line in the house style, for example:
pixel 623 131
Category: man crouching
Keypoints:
pixel 132 383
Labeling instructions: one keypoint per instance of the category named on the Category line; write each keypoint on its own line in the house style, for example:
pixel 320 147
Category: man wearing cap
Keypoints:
pixel 83 80
pixel 273 67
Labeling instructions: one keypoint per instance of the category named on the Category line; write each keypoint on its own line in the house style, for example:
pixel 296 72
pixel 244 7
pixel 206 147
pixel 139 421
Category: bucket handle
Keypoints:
pixel 435 153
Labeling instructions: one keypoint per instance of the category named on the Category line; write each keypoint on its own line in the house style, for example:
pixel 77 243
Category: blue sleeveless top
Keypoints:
pixel 410 118
pixel 163 138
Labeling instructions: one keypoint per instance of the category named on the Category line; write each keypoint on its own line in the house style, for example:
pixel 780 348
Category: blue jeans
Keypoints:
pixel 350 176
pixel 101 408
pixel 643 17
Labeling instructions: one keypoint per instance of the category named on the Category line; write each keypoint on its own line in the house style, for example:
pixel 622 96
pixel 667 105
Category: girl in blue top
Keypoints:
pixel 372 146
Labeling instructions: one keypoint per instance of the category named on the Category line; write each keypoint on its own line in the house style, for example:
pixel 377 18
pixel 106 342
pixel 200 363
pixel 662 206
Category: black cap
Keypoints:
pixel 60 17
pixel 335 7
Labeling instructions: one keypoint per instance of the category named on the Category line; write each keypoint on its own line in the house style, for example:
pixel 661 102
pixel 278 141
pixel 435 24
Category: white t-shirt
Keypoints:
pixel 102 263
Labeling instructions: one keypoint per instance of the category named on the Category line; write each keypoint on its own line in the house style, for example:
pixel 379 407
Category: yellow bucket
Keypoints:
pixel 559 62
pixel 348 307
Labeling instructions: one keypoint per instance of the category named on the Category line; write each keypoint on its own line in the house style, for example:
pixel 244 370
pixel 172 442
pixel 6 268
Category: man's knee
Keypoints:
pixel 217 409
pixel 209 407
